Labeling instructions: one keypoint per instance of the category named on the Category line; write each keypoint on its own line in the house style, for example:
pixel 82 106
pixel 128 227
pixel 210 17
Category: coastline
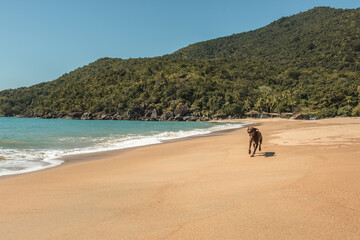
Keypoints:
pixel 83 157
pixel 201 188
pixel 91 156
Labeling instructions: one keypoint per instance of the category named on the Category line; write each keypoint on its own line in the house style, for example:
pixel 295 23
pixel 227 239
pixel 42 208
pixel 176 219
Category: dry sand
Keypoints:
pixel 304 185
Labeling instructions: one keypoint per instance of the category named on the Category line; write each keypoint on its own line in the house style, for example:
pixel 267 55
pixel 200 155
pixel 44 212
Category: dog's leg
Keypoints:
pixel 260 144
pixel 255 147
pixel 250 146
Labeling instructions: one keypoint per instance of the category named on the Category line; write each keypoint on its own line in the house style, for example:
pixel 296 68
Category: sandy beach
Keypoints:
pixel 305 184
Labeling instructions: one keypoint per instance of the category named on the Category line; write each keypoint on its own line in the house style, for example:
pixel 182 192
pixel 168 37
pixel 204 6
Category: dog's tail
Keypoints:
pixel 260 143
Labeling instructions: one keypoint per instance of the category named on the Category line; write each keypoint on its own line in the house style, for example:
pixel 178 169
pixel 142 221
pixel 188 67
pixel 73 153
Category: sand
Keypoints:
pixel 305 184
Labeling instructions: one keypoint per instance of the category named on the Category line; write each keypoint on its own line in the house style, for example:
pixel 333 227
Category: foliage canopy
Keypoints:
pixel 309 63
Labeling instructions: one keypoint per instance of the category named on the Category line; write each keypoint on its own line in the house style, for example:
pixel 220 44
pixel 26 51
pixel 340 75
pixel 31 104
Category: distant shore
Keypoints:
pixel 304 185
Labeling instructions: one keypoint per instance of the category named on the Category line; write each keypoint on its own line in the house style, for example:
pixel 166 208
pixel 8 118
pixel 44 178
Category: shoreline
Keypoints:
pixel 92 156
pixel 203 188
pixel 84 157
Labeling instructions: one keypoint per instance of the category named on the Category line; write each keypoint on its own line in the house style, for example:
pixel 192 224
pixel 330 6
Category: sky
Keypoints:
pixel 42 40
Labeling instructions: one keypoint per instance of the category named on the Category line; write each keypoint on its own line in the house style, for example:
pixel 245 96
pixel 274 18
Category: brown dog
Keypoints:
pixel 255 138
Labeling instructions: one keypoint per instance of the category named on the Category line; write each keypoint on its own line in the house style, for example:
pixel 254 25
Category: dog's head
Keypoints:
pixel 251 131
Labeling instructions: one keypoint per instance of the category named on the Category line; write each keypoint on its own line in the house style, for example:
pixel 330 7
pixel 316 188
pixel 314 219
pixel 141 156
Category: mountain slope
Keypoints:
pixel 306 63
pixel 322 35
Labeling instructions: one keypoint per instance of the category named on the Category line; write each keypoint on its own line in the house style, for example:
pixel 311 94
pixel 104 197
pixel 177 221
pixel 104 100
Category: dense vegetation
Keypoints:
pixel 308 63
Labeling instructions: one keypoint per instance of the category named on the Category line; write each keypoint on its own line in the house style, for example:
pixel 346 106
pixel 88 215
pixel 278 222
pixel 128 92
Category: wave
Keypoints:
pixel 15 161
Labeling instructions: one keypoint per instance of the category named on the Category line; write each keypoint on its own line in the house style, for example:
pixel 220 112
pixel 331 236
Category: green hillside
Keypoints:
pixel 306 63
pixel 322 36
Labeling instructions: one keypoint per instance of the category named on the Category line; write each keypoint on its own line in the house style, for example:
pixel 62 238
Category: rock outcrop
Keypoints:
pixel 144 112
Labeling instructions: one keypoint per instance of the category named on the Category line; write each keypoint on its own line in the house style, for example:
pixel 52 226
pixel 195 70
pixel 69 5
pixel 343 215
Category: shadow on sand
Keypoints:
pixel 266 154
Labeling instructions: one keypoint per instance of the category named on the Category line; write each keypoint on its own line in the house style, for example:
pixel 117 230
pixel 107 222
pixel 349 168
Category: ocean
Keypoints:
pixel 28 144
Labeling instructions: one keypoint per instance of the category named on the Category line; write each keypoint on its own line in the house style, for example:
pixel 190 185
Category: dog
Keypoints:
pixel 255 139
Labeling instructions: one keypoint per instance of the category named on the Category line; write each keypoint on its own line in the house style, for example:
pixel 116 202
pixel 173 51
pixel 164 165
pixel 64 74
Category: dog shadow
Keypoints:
pixel 266 154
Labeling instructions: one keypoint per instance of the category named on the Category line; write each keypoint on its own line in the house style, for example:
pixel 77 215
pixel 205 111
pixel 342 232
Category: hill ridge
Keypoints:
pixel 306 63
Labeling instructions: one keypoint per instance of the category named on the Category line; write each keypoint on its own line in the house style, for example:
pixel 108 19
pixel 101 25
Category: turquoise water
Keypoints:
pixel 28 144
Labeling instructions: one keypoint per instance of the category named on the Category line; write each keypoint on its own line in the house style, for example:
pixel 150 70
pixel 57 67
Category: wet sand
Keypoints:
pixel 303 185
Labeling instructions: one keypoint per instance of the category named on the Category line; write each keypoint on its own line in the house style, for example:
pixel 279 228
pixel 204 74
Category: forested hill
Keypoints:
pixel 321 35
pixel 307 63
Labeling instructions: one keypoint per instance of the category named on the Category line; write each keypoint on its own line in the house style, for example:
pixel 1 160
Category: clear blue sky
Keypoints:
pixel 41 40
